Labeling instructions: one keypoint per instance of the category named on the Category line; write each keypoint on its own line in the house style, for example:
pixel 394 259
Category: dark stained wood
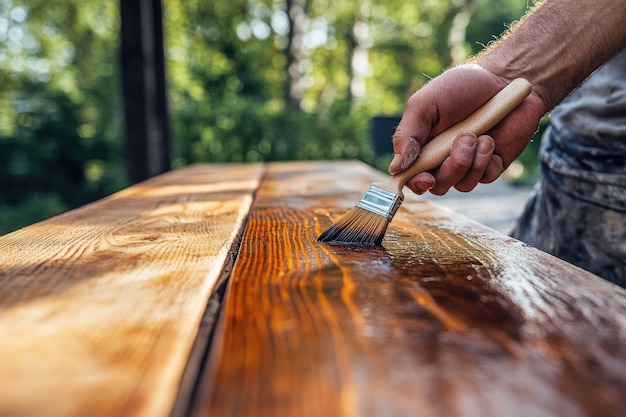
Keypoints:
pixel 100 307
pixel 103 310
pixel 448 319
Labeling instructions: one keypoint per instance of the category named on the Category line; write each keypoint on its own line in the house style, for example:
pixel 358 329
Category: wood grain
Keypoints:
pixel 448 318
pixel 99 307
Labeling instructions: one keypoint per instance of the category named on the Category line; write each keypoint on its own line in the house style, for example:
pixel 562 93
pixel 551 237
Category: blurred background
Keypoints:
pixel 246 80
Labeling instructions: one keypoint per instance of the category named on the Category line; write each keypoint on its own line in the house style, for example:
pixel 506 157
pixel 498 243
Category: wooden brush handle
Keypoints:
pixel 479 122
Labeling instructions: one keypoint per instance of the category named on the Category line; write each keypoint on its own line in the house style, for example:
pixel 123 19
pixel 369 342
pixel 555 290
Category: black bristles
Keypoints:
pixel 356 227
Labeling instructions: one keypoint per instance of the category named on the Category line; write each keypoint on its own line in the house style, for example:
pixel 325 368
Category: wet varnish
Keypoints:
pixel 448 318
pixel 110 310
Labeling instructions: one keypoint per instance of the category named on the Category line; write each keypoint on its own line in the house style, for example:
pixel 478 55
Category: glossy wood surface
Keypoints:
pixel 103 310
pixel 448 318
pixel 100 307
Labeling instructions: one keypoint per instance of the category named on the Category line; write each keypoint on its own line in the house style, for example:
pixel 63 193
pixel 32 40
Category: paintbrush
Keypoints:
pixel 366 224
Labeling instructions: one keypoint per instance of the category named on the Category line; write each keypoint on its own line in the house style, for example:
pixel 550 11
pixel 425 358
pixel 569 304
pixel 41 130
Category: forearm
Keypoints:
pixel 558 45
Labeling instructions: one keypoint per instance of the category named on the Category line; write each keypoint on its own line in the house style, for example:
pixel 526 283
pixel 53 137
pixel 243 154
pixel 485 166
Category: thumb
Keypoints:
pixel 405 152
pixel 413 130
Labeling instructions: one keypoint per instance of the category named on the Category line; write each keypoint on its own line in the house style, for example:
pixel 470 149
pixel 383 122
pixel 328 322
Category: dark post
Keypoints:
pixel 143 81
pixel 381 131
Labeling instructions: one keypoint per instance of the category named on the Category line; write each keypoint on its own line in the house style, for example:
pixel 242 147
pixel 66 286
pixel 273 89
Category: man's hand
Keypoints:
pixel 445 101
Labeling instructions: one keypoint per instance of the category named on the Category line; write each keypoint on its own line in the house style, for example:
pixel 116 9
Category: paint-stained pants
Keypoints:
pixel 579 217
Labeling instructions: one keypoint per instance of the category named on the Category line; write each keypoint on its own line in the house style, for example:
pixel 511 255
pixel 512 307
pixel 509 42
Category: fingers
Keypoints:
pixel 439 104
pixel 458 166
pixel 443 102
pixel 421 183
pixel 482 160
pixel 472 160
pixel 493 170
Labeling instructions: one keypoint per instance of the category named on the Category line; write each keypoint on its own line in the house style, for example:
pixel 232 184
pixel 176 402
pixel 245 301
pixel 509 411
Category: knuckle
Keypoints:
pixel 398 137
pixel 413 101
pixel 464 161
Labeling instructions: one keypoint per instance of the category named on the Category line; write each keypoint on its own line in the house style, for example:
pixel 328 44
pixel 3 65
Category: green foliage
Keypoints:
pixel 33 208
pixel 228 82
pixel 490 20
pixel 60 141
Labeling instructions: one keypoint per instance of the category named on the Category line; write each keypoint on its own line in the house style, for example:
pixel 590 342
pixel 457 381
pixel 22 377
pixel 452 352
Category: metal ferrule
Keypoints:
pixel 381 202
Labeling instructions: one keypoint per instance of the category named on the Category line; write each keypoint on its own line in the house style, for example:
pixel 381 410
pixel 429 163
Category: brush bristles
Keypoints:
pixel 357 227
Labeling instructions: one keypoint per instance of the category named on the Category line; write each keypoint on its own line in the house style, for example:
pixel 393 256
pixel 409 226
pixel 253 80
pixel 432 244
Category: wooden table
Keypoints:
pixel 203 292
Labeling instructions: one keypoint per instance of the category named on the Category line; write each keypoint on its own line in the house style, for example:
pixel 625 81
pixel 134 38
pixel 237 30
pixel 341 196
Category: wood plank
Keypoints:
pixel 99 307
pixel 448 319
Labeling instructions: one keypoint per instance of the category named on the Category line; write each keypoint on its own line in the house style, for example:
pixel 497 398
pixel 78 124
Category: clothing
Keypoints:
pixel 577 211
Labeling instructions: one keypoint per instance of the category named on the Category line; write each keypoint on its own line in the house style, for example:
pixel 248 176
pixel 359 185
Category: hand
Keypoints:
pixel 446 100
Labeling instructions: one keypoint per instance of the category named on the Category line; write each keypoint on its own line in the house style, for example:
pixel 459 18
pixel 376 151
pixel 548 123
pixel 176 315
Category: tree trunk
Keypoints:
pixel 359 42
pixel 297 12
pixel 458 29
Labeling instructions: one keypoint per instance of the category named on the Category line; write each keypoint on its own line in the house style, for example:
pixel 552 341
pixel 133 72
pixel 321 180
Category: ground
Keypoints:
pixel 496 205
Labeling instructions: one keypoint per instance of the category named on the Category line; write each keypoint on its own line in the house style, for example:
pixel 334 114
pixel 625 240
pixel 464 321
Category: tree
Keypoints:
pixel 59 123
pixel 248 80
